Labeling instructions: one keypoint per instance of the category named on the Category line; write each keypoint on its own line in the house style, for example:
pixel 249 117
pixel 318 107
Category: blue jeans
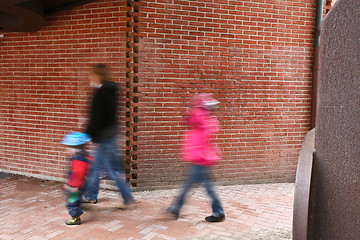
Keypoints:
pixel 73 203
pixel 198 174
pixel 107 157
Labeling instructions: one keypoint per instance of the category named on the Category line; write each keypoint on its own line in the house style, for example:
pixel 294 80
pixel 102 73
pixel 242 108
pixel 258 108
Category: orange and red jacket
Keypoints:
pixel 79 167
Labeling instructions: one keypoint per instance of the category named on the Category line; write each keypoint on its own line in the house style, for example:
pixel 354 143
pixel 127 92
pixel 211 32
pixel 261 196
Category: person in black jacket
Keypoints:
pixel 103 130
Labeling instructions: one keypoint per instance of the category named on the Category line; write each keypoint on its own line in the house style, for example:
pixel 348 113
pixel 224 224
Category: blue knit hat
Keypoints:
pixel 75 139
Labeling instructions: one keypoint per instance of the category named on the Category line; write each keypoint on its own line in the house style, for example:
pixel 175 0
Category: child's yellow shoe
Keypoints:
pixel 73 221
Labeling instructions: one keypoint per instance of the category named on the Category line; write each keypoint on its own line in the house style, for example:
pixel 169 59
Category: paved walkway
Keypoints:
pixel 34 209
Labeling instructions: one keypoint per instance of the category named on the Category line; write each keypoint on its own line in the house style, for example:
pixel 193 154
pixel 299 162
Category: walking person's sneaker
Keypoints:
pixel 127 206
pixel 84 200
pixel 73 221
pixel 213 218
pixel 172 213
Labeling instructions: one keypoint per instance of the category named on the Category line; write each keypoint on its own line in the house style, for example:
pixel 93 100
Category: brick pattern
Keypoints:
pixel 44 85
pixel 261 211
pixel 255 57
pixel 132 92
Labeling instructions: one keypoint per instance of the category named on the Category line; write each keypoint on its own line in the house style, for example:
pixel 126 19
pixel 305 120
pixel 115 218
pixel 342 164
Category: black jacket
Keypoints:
pixel 103 122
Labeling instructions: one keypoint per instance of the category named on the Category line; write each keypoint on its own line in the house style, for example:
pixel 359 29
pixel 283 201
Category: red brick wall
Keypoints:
pixel 44 85
pixel 255 57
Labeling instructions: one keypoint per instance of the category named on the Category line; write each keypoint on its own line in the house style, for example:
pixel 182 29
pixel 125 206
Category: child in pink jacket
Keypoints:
pixel 201 151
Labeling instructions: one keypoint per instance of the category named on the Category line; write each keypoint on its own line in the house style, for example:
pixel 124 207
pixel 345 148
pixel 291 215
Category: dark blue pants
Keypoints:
pixel 198 174
pixel 108 158
pixel 73 203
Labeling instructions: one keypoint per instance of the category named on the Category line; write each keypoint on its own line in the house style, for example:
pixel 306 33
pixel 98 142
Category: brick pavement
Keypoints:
pixel 34 209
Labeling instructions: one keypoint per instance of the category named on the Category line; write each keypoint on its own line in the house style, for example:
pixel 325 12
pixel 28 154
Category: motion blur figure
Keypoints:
pixel 201 151
pixel 103 130
pixel 79 164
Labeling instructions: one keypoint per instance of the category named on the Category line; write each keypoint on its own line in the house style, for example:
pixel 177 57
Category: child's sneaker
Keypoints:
pixel 212 218
pixel 73 221
pixel 84 200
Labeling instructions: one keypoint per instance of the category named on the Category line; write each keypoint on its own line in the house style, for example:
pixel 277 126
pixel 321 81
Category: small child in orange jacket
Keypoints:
pixel 79 167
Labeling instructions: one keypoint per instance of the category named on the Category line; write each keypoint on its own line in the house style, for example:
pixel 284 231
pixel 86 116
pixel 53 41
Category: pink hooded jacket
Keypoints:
pixel 199 146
